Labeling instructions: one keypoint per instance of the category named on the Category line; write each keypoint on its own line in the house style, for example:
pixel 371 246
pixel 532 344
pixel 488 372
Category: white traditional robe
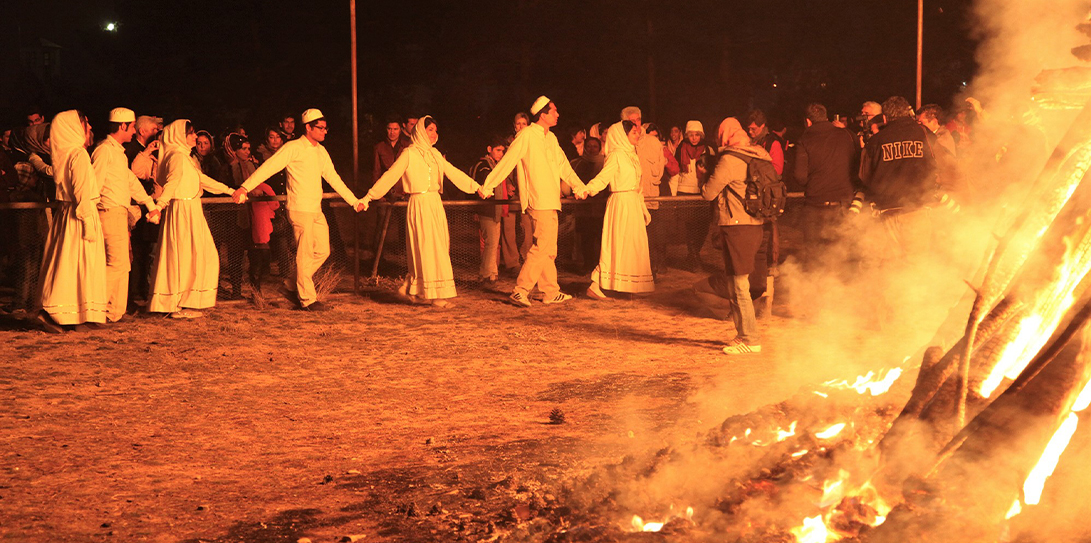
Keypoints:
pixel 428 242
pixel 73 273
pixel 624 264
pixel 186 267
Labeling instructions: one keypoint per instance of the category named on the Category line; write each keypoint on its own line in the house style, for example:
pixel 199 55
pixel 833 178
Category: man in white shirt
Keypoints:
pixel 307 164
pixel 119 187
pixel 542 166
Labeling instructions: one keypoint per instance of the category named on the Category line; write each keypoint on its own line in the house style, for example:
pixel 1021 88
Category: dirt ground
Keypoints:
pixel 377 419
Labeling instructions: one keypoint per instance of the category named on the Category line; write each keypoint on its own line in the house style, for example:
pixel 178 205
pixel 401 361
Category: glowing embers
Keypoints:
pixel 638 525
pixel 830 432
pixel 873 383
pixel 845 511
pixel 813 531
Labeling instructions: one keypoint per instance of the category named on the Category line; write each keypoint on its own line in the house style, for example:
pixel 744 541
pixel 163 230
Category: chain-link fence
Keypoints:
pixel 371 244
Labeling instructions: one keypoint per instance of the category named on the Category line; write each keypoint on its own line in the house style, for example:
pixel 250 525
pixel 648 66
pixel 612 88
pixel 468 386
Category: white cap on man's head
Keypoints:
pixel 122 115
pixel 539 104
pixel 695 126
pixel 312 115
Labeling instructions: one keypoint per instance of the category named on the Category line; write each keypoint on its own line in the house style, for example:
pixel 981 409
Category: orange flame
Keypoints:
pixel 813 531
pixel 1032 487
pixel 638 524
pixel 1049 308
pixel 869 383
pixel 831 431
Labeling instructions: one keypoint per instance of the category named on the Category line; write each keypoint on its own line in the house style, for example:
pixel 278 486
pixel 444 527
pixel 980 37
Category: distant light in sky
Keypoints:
pixel 110 27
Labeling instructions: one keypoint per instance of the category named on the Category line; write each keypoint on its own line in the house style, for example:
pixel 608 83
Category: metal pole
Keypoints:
pixel 355 156
pixel 920 48
pixel 650 44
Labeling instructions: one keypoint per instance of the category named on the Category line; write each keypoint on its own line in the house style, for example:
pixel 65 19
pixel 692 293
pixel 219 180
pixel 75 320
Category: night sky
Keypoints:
pixel 472 64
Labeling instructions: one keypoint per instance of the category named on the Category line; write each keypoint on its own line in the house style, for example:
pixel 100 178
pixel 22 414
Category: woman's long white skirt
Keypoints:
pixel 428 248
pixel 186 268
pixel 624 264
pixel 73 273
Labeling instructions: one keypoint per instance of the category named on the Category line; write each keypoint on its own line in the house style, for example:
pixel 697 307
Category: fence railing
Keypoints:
pixel 371 243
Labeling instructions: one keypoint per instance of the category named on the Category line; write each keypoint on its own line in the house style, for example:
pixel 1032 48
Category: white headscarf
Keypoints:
pixel 174 141
pixel 617 141
pixel 422 143
pixel 67 135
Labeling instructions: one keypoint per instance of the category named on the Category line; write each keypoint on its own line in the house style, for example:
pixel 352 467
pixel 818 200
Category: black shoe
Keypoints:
pixel 48 325
pixel 291 295
pixel 316 306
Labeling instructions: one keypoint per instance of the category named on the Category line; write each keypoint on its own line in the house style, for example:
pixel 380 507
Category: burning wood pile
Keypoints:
pixel 969 454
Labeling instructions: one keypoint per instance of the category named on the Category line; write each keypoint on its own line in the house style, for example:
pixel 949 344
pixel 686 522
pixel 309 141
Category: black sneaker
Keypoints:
pixel 316 306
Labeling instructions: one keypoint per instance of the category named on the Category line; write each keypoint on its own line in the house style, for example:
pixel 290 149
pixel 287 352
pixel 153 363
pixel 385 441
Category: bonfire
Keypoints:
pixel 964 452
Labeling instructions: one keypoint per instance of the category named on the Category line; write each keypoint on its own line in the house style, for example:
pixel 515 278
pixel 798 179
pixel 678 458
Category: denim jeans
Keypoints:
pixel 742 309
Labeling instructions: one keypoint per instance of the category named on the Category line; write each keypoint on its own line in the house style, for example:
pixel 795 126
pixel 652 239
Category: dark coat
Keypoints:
pixel 898 166
pixel 825 164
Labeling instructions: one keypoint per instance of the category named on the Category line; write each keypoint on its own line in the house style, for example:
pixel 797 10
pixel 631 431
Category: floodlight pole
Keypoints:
pixel 920 48
pixel 355 155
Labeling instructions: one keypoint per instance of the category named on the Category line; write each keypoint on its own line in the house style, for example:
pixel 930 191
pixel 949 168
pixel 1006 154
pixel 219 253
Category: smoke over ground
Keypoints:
pixel 867 307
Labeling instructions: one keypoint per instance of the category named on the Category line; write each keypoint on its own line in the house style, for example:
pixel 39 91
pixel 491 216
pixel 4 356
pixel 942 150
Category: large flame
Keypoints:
pixel 1032 488
pixel 1049 306
pixel 1036 480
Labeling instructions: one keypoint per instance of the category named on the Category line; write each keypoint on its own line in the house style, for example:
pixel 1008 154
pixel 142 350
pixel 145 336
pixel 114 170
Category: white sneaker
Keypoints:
pixel 737 346
pixel 519 299
pixel 559 298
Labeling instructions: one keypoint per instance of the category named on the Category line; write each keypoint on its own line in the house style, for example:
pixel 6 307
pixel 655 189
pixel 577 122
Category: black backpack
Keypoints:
pixel 765 194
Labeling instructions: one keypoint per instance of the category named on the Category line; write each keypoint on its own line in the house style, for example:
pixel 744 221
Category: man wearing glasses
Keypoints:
pixel 307 164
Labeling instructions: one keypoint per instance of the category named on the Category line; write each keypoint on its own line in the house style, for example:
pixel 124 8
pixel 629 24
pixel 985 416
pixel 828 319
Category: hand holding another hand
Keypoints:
pixel 239 196
pixel 362 204
pixel 484 194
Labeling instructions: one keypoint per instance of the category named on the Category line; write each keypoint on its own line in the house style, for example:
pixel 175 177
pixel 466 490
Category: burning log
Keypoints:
pixel 983 466
pixel 1068 198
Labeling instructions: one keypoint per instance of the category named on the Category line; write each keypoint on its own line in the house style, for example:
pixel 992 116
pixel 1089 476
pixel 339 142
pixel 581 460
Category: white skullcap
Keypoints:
pixel 538 104
pixel 122 115
pixel 312 115
pixel 695 126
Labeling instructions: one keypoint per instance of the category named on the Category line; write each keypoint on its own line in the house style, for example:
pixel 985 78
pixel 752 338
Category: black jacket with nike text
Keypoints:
pixel 898 166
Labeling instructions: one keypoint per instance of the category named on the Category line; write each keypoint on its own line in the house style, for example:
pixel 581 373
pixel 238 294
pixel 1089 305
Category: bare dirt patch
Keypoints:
pixel 398 422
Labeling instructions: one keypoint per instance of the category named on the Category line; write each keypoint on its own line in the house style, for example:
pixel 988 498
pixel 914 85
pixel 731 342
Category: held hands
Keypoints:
pixel 239 196
pixel 582 193
pixel 362 204
pixel 154 215
pixel 484 193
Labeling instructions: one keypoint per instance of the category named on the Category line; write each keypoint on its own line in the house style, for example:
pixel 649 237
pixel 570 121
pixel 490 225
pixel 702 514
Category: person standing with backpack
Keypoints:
pixel 744 193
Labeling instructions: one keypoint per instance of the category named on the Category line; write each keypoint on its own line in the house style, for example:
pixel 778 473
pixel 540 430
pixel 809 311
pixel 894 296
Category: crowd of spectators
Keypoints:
pixel 888 161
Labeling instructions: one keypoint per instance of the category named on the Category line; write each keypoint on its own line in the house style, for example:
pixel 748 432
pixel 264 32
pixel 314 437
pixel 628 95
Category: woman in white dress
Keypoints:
pixel 73 273
pixel 428 243
pixel 186 271
pixel 624 265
